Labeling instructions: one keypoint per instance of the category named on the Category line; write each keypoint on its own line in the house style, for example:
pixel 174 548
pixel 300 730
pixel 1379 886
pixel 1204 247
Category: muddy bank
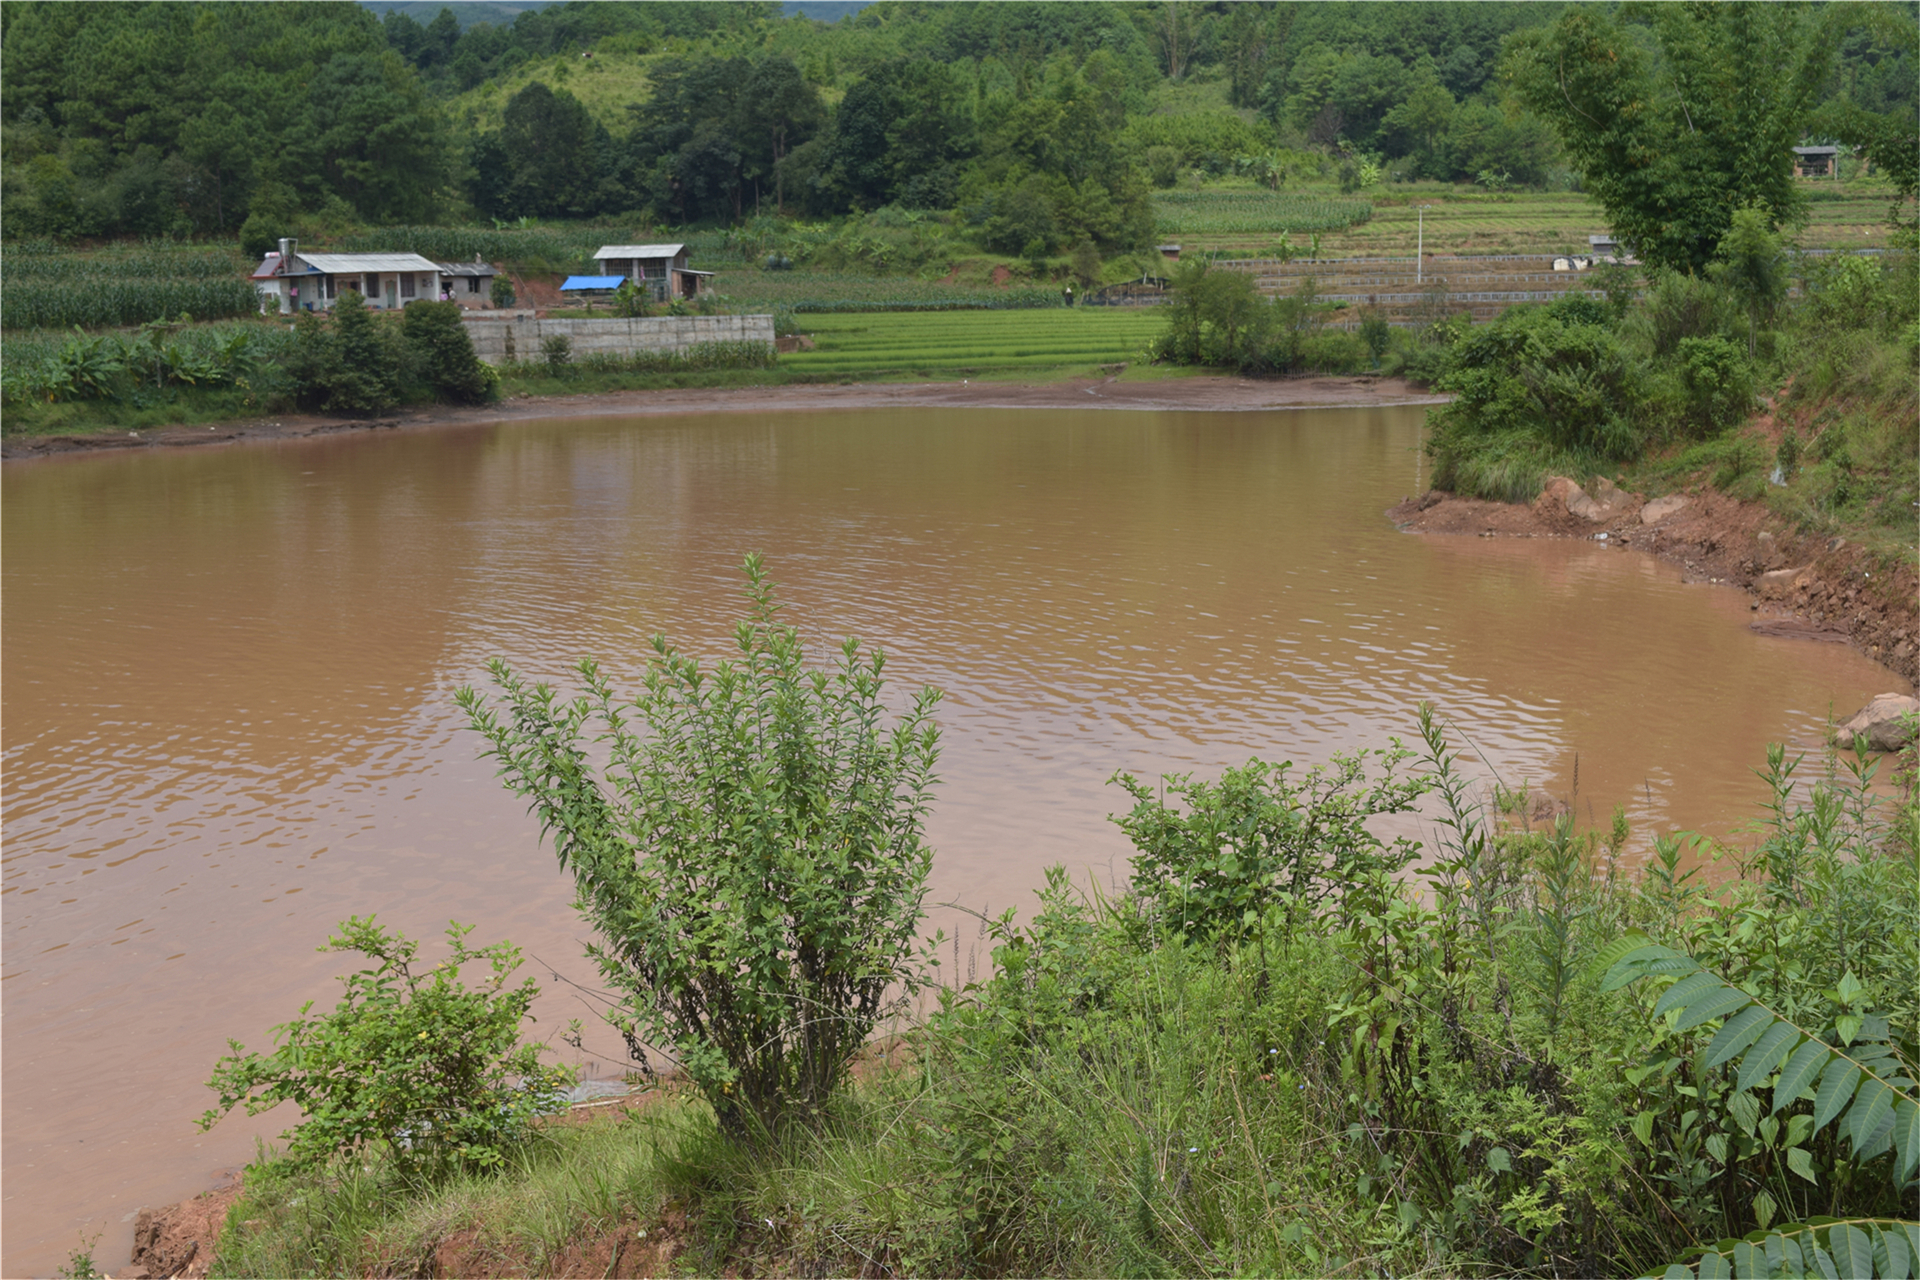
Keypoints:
pixel 1214 394
pixel 1804 587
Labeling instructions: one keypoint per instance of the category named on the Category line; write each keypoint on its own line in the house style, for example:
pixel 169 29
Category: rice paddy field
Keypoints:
pixel 954 342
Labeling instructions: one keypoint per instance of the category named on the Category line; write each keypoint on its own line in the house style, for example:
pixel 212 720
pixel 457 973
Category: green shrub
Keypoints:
pixel 501 291
pixel 444 352
pixel 1257 834
pixel 753 863
pixel 347 360
pixel 417 1065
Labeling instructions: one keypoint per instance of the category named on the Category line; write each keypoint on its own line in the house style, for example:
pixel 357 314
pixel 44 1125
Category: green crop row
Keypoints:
pixel 1206 212
pixel 70 267
pixel 109 300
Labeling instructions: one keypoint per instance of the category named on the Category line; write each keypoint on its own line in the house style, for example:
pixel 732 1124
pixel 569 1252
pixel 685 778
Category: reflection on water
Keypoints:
pixel 229 678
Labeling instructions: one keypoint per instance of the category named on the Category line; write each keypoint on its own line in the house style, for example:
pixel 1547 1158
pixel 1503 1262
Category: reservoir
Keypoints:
pixel 229 681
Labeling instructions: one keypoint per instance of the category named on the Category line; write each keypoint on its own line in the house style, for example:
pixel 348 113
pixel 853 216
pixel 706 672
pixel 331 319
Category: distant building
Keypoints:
pixel 290 281
pixel 1171 252
pixel 662 268
pixel 1816 162
pixel 468 283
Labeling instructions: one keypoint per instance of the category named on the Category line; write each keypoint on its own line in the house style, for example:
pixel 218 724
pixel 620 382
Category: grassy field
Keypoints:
pixel 1253 210
pixel 972 341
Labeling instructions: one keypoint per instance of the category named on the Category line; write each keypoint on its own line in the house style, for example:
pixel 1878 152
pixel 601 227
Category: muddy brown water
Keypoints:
pixel 229 682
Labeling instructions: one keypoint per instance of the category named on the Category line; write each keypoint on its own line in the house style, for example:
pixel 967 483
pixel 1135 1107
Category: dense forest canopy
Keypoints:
pixel 1041 124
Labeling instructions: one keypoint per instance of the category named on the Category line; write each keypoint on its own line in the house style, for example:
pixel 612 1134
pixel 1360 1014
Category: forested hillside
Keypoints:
pixel 1040 125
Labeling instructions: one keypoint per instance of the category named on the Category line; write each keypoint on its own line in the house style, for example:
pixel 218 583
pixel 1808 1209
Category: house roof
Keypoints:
pixel 348 263
pixel 266 268
pixel 467 269
pixel 1816 151
pixel 593 282
pixel 606 251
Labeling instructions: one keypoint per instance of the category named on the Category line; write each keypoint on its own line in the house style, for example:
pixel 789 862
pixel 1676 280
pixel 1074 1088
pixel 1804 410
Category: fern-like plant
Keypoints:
pixel 1861 1081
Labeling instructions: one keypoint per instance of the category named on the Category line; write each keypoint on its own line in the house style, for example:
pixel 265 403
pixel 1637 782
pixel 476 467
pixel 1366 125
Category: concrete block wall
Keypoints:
pixel 491 334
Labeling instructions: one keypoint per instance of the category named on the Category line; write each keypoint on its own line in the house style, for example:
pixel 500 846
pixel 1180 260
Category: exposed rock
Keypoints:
pixel 1797 629
pixel 1885 724
pixel 1660 508
pixel 1602 503
pixel 1778 582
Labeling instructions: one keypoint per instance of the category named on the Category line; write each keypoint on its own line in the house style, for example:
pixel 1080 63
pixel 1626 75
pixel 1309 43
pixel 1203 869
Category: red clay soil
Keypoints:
pixel 179 1240
pixel 1001 277
pixel 1806 587
pixel 1173 394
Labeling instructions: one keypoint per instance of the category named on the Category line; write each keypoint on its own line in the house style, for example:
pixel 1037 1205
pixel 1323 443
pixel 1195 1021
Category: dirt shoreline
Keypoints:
pixel 1803 586
pixel 1201 393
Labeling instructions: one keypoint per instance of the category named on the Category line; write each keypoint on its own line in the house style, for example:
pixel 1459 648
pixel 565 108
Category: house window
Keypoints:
pixel 473 284
pixel 406 286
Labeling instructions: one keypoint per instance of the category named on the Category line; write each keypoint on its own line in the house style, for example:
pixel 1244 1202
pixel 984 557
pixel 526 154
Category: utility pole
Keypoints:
pixel 1420 248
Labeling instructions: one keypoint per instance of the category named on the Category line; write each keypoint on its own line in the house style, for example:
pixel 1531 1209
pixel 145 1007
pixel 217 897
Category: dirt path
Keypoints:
pixel 1173 394
pixel 1805 587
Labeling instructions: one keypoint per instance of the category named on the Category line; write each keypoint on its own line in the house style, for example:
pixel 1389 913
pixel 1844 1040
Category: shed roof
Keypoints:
pixel 593 282
pixel 348 263
pixel 1816 151
pixel 606 251
pixel 467 269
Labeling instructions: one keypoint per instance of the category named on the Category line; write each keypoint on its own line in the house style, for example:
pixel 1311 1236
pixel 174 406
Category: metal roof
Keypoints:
pixel 467 269
pixel 348 263
pixel 1816 151
pixel 606 251
pixel 266 268
pixel 593 282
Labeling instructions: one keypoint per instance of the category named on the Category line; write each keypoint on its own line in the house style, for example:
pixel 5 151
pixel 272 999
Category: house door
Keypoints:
pixel 393 297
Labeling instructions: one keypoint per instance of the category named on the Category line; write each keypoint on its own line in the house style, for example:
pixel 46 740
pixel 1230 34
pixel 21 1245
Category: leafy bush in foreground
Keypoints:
pixel 753 863
pixel 417 1066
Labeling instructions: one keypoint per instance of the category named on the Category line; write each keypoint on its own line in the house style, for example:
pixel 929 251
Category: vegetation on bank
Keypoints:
pixel 1286 1047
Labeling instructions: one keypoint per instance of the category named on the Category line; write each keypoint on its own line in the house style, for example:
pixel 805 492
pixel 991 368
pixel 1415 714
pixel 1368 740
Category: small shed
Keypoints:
pixel 468 283
pixel 1816 162
pixel 662 268
pixel 1603 246
pixel 1171 252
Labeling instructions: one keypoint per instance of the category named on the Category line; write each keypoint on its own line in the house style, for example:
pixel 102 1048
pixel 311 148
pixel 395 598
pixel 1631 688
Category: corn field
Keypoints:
pixel 1257 212
pixel 45 288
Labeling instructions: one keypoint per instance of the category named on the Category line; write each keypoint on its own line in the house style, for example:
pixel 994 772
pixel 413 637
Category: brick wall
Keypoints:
pixel 490 334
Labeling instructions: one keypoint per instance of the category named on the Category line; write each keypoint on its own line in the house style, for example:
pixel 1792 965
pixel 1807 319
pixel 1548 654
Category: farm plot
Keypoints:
pixel 45 287
pixel 804 292
pixel 959 341
pixel 1252 212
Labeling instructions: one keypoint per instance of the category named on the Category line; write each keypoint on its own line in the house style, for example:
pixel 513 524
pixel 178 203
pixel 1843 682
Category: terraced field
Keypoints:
pixel 963 341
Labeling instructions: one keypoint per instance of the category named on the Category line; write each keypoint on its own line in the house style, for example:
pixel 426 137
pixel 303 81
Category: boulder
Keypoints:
pixel 1778 582
pixel 1888 723
pixel 1660 508
pixel 1600 504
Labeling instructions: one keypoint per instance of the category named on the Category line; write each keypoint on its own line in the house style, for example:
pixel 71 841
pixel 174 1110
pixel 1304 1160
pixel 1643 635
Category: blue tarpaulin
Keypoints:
pixel 592 282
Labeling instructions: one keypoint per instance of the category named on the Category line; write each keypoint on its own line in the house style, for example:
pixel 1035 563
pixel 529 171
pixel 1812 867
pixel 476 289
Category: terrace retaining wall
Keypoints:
pixel 498 339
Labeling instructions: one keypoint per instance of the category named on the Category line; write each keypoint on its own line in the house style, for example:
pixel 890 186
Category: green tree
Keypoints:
pixel 346 362
pixel 1672 144
pixel 752 858
pixel 444 353
pixel 1753 264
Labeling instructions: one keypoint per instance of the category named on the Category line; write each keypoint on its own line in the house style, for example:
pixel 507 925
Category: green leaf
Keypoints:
pixel 1799 1072
pixel 1687 990
pixel 1499 1161
pixel 1906 1139
pixel 1642 1126
pixel 1800 1160
pixel 1677 1272
pixel 1852 1251
pixel 1890 1256
pixel 1763 1209
pixel 1741 1030
pixel 1823 1261
pixel 1713 1266
pixel 1836 1090
pixel 1745 1109
pixel 1750 1259
pixel 1872 1104
pixel 1783 1255
pixel 1768 1054
pixel 1715 1005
